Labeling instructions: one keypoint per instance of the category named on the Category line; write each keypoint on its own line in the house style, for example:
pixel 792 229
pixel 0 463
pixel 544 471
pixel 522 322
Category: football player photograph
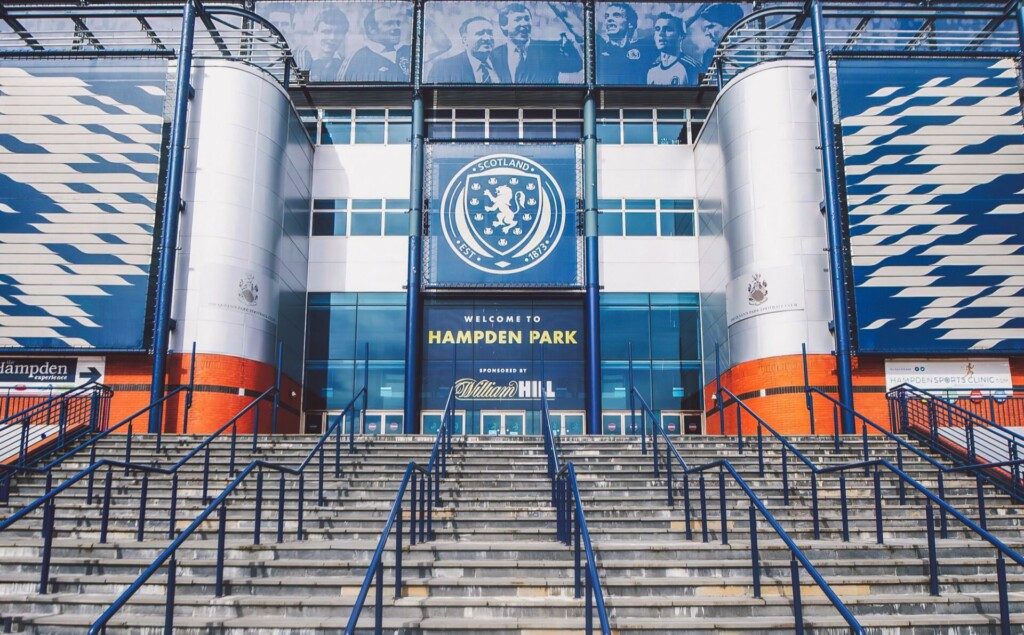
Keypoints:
pixel 325 56
pixel 622 57
pixel 477 63
pixel 709 25
pixel 532 61
pixel 384 58
pixel 670 67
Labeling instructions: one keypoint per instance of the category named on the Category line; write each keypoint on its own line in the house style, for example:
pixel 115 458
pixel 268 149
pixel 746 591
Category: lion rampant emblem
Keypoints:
pixel 503 203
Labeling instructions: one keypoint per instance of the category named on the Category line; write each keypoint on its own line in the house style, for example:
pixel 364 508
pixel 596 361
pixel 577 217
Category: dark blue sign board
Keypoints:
pixel 934 204
pixel 524 43
pixel 78 214
pixel 660 43
pixel 502 215
pixel 503 354
pixel 348 41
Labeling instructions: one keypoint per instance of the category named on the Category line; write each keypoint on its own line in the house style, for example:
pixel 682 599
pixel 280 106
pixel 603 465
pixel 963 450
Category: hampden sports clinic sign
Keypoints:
pixel 503 354
pixel 34 373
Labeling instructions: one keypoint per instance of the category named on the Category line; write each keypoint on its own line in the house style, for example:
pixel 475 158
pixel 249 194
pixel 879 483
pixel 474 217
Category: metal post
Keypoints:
pixel 718 392
pixel 191 389
pixel 593 282
pixel 414 313
pixel 277 390
pixel 171 212
pixel 833 214
pixel 809 401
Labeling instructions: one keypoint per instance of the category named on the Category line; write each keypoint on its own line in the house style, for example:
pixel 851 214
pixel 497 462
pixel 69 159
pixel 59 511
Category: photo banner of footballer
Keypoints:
pixel 352 42
pixel 660 43
pixel 503 43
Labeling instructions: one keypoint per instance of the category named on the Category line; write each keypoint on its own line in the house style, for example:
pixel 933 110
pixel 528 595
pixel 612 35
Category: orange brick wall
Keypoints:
pixel 218 380
pixel 785 408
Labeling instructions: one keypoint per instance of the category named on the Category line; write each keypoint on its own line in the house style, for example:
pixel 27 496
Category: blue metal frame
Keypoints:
pixel 593 281
pixel 171 212
pixel 833 215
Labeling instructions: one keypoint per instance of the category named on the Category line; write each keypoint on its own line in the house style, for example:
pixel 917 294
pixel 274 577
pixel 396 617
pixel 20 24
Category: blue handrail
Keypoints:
pixel 219 504
pixel 755 506
pixel 945 508
pixel 421 519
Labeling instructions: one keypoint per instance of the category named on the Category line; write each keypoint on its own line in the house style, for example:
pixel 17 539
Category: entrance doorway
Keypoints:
pixel 619 422
pixel 383 422
pixel 502 422
pixel 568 423
pixel 430 422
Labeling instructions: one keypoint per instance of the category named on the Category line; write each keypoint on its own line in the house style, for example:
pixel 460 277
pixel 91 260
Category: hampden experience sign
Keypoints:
pixel 502 353
pixel 502 215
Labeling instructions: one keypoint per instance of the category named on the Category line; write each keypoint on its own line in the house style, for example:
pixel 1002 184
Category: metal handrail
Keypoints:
pixel 421 524
pixel 75 391
pixel 219 504
pixel 571 529
pixel 798 558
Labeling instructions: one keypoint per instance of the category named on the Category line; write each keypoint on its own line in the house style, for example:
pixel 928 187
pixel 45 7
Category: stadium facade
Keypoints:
pixel 512 198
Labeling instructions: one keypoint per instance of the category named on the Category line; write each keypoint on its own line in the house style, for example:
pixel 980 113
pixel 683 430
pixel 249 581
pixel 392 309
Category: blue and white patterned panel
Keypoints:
pixel 80 145
pixel 934 167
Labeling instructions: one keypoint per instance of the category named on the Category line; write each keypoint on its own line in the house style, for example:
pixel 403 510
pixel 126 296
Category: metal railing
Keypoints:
pixel 571 529
pixel 754 507
pixel 168 557
pixel 50 423
pixel 871 467
pixel 424 485
pixel 970 29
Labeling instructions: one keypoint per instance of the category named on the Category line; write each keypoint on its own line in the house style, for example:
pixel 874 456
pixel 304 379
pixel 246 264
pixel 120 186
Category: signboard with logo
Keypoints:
pixel 43 373
pixel 503 354
pixel 346 41
pixel 959 375
pixel 763 291
pixel 503 215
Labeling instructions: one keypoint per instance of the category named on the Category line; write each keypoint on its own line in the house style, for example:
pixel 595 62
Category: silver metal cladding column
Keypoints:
pixel 414 312
pixel 593 298
pixel 170 214
pixel 833 216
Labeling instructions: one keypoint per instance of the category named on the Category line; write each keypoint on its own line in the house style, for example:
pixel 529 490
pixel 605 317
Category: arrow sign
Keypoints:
pixel 91 374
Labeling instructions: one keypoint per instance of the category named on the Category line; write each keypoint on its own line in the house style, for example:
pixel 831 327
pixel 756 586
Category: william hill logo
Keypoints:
pixel 468 389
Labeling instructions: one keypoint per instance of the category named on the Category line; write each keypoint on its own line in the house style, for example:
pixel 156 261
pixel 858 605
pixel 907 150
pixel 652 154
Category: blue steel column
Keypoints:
pixel 414 312
pixel 593 379
pixel 833 215
pixel 171 212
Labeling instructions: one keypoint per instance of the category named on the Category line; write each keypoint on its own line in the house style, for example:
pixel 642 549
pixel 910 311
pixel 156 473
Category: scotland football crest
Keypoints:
pixel 503 214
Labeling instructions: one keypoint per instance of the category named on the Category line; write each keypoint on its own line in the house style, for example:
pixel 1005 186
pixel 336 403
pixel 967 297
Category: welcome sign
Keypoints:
pixel 503 215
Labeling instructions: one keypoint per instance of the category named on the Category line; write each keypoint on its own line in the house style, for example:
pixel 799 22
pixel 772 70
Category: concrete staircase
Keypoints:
pixel 495 566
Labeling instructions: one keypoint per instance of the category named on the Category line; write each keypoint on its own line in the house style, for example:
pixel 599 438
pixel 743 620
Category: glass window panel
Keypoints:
pixel 637 114
pixel 387 381
pixel 369 115
pixel 330 203
pixel 621 325
pixel 567 113
pixel 504 130
pixel 609 204
pixel 399 113
pixel 470 114
pixel 695 129
pixel 384 328
pixel 396 224
pixel 366 203
pixel 609 224
pixel 397 203
pixel 311 129
pixel 399 132
pixel 329 223
pixel 609 133
pixel 439 113
pixel 640 203
pixel 674 333
pixel 679 299
pixel 469 130
pixel 676 224
pixel 640 299
pixel 641 224
pixel 699 114
pixel 671 133
pixel 673 386
pixel 637 132
pixel 504 113
pixel 366 224
pixel 677 203
pixel 344 114
pixel 537 114
pixel 568 130
pixel 537 130
pixel 439 130
pixel 370 132
pixel 336 133
pixel 615 382
pixel 669 113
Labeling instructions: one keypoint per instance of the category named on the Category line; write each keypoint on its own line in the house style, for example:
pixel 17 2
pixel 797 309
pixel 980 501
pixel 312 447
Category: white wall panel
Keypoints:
pixel 361 171
pixel 651 265
pixel 358 263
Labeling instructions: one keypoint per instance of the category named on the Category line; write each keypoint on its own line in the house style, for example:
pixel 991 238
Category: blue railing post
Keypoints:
pixel 191 389
pixel 808 399
pixel 592 273
pixel 172 515
pixel 172 582
pixel 277 388
pixel 632 397
pixel 833 214
pixel 718 392
pixel 414 313
pixel 171 212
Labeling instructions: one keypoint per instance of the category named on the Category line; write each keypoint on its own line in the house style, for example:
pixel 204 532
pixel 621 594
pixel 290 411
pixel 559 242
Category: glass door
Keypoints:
pixel 430 422
pixel 569 423
pixel 383 422
pixel 502 422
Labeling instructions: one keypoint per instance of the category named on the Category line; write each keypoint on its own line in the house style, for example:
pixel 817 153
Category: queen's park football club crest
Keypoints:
pixel 503 213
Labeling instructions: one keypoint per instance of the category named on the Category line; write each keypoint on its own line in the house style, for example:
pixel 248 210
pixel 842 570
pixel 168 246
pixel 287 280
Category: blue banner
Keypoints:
pixel 503 354
pixel 80 156
pixel 349 41
pixel 502 215
pixel 932 154
pixel 526 43
pixel 660 43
